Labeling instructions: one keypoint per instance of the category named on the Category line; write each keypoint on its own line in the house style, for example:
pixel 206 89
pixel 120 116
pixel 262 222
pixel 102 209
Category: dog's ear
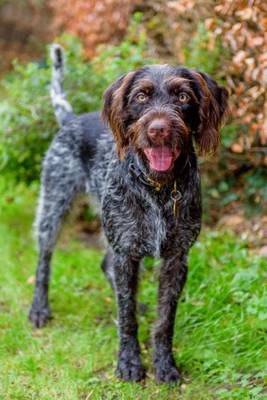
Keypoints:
pixel 212 110
pixel 115 101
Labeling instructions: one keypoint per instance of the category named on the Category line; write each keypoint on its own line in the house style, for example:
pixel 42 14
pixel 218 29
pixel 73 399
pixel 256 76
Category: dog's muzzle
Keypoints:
pixel 163 129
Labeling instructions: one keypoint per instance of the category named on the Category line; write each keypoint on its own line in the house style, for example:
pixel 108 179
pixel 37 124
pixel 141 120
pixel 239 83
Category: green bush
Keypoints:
pixel 245 182
pixel 200 54
pixel 27 121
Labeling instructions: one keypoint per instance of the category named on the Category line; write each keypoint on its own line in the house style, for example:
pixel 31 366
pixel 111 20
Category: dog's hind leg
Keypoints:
pixel 61 183
pixel 107 267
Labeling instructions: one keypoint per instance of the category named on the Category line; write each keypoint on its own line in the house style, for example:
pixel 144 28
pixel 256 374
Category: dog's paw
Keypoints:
pixel 166 371
pixel 39 316
pixel 169 375
pixel 130 370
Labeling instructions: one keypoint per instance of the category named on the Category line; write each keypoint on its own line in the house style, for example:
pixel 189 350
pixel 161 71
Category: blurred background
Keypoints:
pixel 220 332
pixel 103 39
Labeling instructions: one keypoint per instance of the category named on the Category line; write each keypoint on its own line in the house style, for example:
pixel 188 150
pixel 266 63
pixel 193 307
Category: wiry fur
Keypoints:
pixel 137 219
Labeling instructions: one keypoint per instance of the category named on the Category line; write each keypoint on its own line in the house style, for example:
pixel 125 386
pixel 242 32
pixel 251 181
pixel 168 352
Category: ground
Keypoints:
pixel 219 333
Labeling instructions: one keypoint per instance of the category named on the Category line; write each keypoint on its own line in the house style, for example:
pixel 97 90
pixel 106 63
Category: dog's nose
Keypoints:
pixel 158 129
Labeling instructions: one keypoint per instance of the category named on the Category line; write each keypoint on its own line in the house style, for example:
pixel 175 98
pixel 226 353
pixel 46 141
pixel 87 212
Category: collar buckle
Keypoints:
pixel 157 185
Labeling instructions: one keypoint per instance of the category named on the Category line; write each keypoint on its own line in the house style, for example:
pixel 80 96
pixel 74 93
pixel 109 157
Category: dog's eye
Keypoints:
pixel 183 97
pixel 141 97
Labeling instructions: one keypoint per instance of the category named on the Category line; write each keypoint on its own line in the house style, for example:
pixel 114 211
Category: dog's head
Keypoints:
pixel 158 109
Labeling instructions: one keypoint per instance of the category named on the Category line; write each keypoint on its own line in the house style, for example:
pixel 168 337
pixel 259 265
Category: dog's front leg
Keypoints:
pixel 172 279
pixel 126 279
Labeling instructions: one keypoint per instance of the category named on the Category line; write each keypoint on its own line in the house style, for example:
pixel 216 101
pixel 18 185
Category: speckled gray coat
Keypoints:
pixel 138 220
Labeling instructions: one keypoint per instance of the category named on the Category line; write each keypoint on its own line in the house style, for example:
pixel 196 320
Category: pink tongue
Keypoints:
pixel 160 158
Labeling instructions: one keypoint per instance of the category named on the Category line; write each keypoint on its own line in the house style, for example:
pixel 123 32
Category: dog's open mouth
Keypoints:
pixel 161 158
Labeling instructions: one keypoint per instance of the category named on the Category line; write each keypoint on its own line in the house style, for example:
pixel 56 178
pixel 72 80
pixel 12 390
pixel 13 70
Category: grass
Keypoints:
pixel 219 335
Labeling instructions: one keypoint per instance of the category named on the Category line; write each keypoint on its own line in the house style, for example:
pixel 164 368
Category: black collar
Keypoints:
pixel 143 178
pixel 134 171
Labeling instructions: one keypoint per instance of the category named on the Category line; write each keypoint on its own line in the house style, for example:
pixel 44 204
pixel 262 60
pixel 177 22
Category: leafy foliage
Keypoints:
pixel 198 53
pixel 27 122
pixel 88 20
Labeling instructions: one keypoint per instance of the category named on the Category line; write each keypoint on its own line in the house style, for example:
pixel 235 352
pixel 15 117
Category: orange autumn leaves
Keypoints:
pixel 95 22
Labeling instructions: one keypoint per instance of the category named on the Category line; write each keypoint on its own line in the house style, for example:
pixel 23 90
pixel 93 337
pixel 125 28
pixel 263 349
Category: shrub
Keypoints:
pixel 204 52
pixel 238 177
pixel 88 20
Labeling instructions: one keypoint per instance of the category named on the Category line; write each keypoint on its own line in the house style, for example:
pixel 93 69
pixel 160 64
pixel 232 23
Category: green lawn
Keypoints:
pixel 219 335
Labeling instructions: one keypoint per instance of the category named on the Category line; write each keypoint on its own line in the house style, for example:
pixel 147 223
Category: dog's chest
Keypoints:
pixel 154 231
pixel 135 225
pixel 155 223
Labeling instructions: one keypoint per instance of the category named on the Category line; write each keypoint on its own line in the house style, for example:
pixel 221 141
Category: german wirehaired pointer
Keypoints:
pixel 141 164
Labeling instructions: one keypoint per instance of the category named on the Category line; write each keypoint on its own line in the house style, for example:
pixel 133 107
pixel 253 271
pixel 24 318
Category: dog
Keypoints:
pixel 139 158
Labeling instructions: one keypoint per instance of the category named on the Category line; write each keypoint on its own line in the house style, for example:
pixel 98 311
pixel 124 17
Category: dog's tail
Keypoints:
pixel 62 107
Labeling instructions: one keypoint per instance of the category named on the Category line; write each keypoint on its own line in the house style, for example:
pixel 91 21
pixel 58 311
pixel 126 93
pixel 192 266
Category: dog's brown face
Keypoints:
pixel 157 110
